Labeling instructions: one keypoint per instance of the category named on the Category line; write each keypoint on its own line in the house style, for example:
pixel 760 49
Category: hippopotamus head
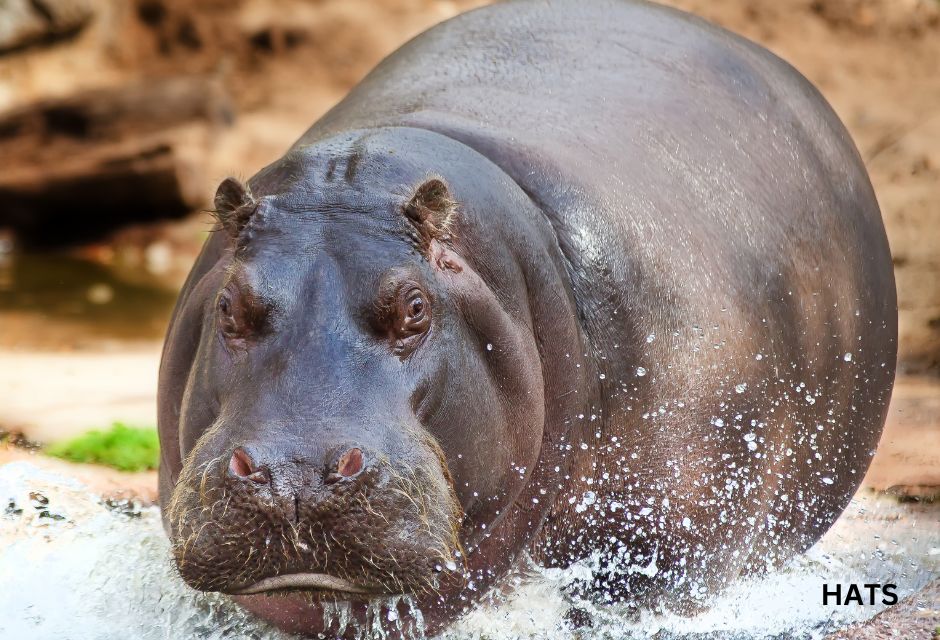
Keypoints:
pixel 361 397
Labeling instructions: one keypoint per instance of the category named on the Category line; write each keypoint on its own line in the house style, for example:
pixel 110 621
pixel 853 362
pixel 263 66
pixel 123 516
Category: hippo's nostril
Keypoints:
pixel 350 463
pixel 244 467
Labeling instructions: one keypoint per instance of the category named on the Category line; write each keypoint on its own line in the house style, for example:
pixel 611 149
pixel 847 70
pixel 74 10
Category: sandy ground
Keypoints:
pixel 53 396
pixel 109 483
pixel 908 457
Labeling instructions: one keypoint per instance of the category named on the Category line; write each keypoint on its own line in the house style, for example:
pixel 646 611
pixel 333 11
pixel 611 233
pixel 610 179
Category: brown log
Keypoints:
pixel 111 114
pixel 73 169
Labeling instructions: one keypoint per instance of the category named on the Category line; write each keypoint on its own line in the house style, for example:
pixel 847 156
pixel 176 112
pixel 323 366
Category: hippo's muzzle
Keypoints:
pixel 351 525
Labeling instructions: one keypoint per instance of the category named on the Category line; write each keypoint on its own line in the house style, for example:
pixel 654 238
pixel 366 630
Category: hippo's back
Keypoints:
pixel 675 160
pixel 662 133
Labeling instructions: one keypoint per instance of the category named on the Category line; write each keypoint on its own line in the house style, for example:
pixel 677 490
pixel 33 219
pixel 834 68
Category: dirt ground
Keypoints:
pixel 916 617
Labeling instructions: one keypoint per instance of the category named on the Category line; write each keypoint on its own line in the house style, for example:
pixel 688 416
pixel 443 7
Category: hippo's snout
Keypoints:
pixel 346 521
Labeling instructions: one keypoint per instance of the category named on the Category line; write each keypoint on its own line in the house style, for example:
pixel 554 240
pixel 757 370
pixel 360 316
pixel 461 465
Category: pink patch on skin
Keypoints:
pixel 444 258
pixel 351 463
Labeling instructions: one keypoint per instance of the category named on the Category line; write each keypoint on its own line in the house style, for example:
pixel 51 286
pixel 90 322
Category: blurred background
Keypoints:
pixel 118 118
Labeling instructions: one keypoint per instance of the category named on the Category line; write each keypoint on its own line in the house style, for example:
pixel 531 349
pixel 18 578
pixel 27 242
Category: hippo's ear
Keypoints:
pixel 431 210
pixel 234 205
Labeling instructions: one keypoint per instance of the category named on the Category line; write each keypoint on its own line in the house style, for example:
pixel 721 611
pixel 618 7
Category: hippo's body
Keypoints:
pixel 665 324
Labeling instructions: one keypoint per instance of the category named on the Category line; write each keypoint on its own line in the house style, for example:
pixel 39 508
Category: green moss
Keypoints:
pixel 122 447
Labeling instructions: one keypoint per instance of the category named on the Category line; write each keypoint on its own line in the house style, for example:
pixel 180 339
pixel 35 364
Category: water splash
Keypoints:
pixel 875 540
pixel 74 567
pixel 385 618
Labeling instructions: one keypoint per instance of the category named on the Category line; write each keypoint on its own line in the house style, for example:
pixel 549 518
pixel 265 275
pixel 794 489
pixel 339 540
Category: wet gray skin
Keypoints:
pixel 557 278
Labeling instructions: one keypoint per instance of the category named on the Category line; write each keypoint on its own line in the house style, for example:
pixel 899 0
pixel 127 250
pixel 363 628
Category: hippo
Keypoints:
pixel 556 283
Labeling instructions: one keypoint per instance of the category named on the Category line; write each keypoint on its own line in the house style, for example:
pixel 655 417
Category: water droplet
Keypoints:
pixel 640 371
pixel 741 388
pixel 847 357
pixel 489 347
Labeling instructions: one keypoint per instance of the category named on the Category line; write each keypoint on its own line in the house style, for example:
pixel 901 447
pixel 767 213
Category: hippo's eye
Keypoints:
pixel 227 323
pixel 242 318
pixel 416 308
pixel 415 313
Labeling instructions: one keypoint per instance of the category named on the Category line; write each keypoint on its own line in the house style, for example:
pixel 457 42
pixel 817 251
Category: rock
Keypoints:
pixel 27 22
